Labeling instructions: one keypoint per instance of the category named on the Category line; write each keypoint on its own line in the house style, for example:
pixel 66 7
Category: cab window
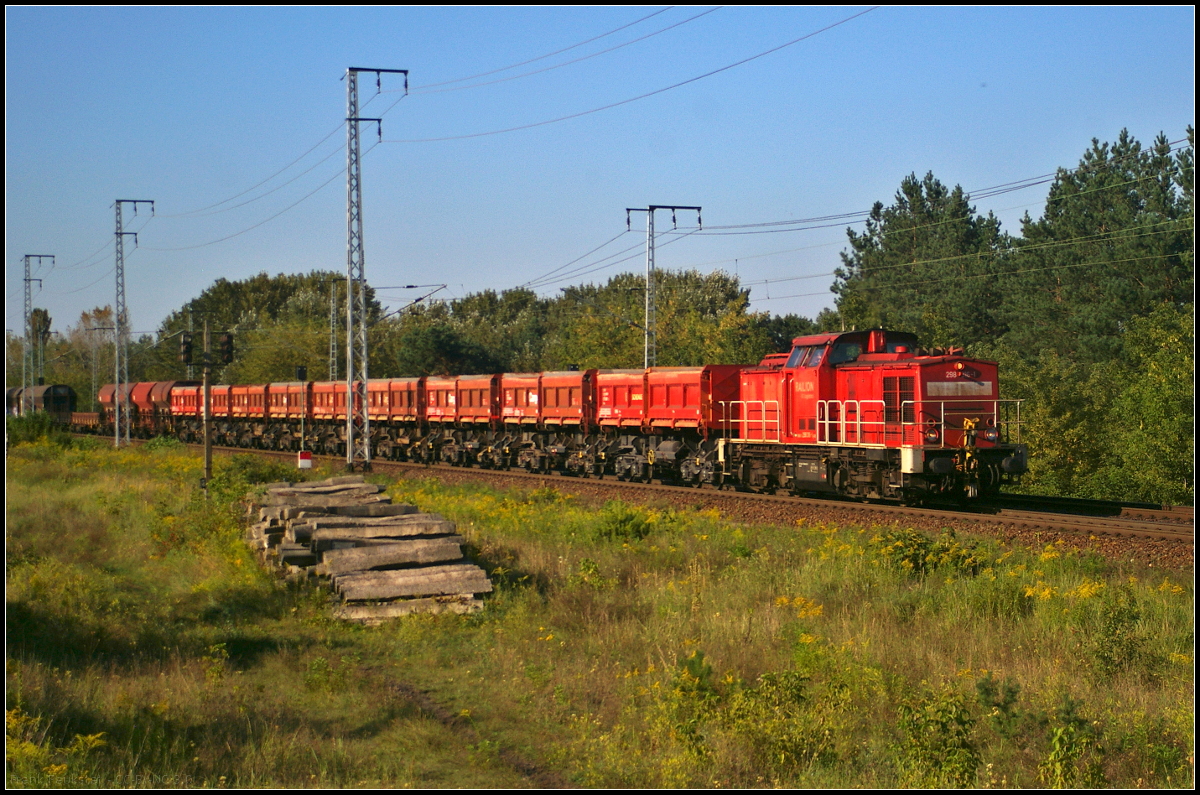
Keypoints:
pixel 798 357
pixel 844 352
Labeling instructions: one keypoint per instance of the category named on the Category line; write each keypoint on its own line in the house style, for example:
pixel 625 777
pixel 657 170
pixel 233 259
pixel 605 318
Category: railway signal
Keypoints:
pixel 225 345
pixel 185 348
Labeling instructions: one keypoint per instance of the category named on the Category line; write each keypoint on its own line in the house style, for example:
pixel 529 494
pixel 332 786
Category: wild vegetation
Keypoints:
pixel 624 646
pixel 1088 307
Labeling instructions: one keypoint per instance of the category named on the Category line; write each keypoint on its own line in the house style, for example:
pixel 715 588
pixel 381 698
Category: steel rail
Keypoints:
pixel 1140 525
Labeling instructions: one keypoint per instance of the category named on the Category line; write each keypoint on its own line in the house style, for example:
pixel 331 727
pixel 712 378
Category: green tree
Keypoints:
pixel 226 304
pixel 926 264
pixel 1115 242
pixel 511 326
pixel 73 356
pixel 437 349
pixel 277 321
pixel 270 349
pixel 1064 417
pixel 1154 442
pixel 701 319
pixel 782 329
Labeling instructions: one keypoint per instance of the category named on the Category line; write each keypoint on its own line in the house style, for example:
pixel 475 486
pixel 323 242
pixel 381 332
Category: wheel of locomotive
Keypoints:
pixel 989 480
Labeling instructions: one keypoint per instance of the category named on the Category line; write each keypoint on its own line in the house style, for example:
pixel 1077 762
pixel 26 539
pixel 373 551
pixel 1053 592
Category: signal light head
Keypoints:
pixel 185 348
pixel 226 347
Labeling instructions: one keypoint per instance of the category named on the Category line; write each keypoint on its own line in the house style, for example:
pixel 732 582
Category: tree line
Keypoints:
pixel 1088 307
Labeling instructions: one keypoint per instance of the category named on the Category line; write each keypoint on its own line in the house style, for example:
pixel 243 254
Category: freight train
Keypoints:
pixel 863 414
pixel 56 400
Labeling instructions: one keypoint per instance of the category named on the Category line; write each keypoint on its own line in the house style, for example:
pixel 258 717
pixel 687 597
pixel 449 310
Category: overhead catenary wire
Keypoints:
pixel 964 277
pixel 1010 187
pixel 584 256
pixel 202 211
pixel 647 95
pixel 547 55
pixel 267 220
pixel 595 267
pixel 1051 244
pixel 420 91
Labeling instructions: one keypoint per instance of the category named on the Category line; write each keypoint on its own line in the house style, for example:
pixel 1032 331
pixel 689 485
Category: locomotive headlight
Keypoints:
pixel 991 435
pixel 932 436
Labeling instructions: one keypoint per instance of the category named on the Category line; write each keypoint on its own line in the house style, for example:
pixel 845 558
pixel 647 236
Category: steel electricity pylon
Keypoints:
pixel 358 421
pixel 651 324
pixel 121 318
pixel 27 360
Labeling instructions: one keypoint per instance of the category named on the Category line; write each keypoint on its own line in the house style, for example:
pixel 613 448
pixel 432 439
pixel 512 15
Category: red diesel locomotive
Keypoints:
pixel 864 414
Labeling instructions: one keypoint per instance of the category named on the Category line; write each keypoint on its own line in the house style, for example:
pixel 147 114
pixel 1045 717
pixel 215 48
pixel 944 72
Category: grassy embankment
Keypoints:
pixel 624 646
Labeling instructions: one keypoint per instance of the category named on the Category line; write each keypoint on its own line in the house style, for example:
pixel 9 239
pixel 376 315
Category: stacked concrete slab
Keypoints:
pixel 384 560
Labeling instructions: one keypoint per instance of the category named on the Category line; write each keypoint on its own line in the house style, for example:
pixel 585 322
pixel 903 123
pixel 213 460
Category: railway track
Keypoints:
pixel 1087 519
pixel 1161 514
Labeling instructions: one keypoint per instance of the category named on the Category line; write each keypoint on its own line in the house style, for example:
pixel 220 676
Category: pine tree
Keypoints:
pixel 927 264
pixel 1114 243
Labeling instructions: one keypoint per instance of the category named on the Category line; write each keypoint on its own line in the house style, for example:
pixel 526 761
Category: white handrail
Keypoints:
pixel 936 410
pixel 743 425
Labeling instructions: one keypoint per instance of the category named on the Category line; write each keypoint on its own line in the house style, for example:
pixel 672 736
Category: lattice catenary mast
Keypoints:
pixel 121 321
pixel 27 367
pixel 358 422
pixel 651 325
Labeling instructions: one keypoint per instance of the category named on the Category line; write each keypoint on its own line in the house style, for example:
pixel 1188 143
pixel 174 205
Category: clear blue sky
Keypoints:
pixel 190 107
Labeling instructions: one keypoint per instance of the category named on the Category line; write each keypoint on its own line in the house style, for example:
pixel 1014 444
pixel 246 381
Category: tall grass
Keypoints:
pixel 625 645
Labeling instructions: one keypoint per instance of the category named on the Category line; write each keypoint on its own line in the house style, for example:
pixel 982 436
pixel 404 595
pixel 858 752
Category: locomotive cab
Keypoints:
pixel 871 415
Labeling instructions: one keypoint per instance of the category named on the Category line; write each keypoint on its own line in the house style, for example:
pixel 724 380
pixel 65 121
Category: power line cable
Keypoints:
pixel 204 210
pixel 307 152
pixel 633 99
pixel 544 281
pixel 572 262
pixel 1014 185
pixel 964 277
pixel 80 266
pixel 540 280
pixel 108 273
pixel 306 196
pixel 281 186
pixel 1013 252
pixel 1116 235
pixel 1039 246
pixel 988 192
pixel 595 267
pixel 567 63
pixel 547 55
